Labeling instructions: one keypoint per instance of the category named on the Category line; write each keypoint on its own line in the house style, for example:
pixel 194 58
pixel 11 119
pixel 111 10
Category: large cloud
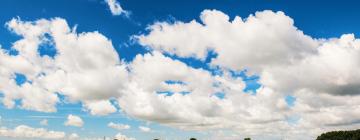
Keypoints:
pixel 267 44
pixel 263 39
pixel 192 102
pixel 81 69
pixel 319 73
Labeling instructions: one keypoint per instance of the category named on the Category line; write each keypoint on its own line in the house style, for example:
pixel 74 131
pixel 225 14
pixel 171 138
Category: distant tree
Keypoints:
pixel 247 139
pixel 340 135
pixel 192 139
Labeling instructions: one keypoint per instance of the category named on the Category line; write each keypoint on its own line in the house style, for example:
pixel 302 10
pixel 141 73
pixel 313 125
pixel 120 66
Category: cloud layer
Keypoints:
pixel 319 73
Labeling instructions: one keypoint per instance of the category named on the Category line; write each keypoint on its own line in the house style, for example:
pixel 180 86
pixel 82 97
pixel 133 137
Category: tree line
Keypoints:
pixel 340 135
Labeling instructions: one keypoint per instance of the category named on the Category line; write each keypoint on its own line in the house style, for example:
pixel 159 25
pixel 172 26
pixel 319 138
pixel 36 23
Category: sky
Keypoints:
pixel 209 69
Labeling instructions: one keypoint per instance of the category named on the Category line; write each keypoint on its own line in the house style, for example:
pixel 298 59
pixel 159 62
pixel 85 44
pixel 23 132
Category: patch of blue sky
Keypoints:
pixel 220 95
pixel 8 39
pixel 20 79
pixel 47 49
pixel 251 81
pixel 166 93
pixel 290 100
pixel 128 52
pixel 292 120
pixel 198 64
pixel 12 52
pixel 9 50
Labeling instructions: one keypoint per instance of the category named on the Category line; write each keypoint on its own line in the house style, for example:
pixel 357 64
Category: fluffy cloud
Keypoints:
pixel 331 70
pixel 118 126
pixel 80 60
pixel 144 129
pixel 23 131
pixel 103 107
pixel 123 137
pixel 319 73
pixel 115 8
pixel 268 44
pixel 192 101
pixel 236 43
pixel 73 120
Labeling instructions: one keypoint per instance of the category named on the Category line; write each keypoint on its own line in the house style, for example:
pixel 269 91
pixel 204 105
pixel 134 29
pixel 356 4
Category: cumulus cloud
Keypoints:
pixel 192 103
pixel 118 126
pixel 144 129
pixel 285 58
pixel 81 59
pixel 101 108
pixel 115 8
pixel 73 120
pixel 23 131
pixel 235 42
pixel 319 73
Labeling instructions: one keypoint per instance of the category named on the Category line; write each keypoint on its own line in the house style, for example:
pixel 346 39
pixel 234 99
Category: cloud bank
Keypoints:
pixel 23 131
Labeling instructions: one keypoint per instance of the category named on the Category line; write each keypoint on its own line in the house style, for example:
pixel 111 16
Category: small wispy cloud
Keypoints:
pixel 144 129
pixel 116 8
pixel 118 126
pixel 44 122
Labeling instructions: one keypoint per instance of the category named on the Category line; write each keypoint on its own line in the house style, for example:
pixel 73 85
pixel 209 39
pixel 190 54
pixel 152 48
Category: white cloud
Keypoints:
pixel 199 108
pixel 144 129
pixel 103 107
pixel 23 131
pixel 263 39
pixel 115 8
pixel 331 70
pixel 123 137
pixel 118 126
pixel 44 122
pixel 74 136
pixel 81 59
pixel 320 73
pixel 73 120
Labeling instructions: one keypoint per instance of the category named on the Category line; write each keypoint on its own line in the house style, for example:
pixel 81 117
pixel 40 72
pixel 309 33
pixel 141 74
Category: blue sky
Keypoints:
pixel 319 20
